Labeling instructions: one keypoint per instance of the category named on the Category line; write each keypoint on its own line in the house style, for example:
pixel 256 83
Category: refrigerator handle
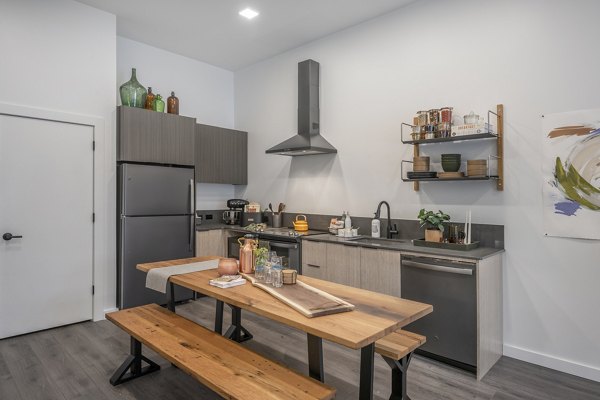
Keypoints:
pixel 192 197
pixel 192 216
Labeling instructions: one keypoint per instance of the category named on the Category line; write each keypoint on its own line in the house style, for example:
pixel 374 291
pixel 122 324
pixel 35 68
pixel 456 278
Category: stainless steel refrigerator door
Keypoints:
pixel 151 239
pixel 156 190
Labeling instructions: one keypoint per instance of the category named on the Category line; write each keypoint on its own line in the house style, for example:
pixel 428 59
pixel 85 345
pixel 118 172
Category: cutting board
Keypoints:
pixel 309 301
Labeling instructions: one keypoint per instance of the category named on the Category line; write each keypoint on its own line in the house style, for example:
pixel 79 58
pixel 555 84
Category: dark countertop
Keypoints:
pixel 406 246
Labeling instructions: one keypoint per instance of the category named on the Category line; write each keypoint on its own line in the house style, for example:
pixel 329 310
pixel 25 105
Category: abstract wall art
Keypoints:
pixel 571 173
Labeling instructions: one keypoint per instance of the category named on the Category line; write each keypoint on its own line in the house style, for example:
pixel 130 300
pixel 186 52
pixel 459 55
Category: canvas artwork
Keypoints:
pixel 571 172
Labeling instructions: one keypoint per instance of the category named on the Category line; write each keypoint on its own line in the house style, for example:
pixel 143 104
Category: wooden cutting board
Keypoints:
pixel 309 301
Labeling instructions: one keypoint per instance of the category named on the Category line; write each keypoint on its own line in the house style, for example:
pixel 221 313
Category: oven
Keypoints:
pixel 288 247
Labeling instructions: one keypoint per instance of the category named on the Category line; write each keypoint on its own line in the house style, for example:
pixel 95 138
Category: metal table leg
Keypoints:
pixel 171 297
pixel 315 357
pixel 133 364
pixel 219 317
pixel 236 331
pixel 367 362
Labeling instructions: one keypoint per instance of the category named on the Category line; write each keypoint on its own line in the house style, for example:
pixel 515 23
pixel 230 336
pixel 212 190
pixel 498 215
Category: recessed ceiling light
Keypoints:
pixel 248 13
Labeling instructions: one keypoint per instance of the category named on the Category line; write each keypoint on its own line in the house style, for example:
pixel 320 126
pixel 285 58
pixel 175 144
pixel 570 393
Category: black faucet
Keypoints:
pixel 390 231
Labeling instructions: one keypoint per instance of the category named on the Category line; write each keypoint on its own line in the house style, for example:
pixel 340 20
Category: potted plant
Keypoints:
pixel 433 224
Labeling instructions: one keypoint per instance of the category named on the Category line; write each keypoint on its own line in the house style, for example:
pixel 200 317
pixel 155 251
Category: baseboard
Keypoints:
pixel 106 311
pixel 548 361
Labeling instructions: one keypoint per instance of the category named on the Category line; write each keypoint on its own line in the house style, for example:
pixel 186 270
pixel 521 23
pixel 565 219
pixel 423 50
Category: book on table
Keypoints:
pixel 227 281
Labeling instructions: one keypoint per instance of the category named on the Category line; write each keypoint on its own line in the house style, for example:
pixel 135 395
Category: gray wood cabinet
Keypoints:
pixel 380 271
pixel 148 136
pixel 221 155
pixel 210 243
pixel 343 264
pixel 314 259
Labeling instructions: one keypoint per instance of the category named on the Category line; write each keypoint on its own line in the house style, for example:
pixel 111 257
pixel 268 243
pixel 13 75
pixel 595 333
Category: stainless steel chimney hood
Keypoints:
pixel 308 141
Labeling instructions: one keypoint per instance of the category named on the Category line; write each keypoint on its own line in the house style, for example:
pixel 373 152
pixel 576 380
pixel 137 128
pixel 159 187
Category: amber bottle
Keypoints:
pixel 149 100
pixel 173 104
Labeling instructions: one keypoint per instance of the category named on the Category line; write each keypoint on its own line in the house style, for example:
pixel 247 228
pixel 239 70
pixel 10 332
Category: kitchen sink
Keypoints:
pixel 376 241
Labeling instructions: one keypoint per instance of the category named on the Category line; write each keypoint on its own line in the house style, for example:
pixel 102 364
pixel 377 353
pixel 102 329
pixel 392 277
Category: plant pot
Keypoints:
pixel 433 235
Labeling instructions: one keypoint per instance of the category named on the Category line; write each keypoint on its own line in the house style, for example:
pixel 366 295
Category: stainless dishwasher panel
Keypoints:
pixel 450 286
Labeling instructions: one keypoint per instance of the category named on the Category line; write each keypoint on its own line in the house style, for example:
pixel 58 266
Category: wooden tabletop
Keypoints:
pixel 375 316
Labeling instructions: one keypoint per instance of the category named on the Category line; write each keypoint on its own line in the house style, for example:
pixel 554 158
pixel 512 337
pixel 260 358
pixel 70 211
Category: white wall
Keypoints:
pixel 61 55
pixel 533 56
pixel 204 91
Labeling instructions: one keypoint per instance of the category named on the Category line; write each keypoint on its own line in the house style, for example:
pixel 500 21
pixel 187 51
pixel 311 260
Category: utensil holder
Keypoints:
pixel 277 220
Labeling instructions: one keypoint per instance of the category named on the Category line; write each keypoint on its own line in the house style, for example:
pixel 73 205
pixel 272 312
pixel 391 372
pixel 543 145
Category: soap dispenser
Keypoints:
pixel 375 227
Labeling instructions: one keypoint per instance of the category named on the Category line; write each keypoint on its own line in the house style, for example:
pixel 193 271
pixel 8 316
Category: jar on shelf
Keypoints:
pixel 444 129
pixel 422 117
pixel 430 131
pixel 133 94
pixel 433 116
pixel 446 114
pixel 159 103
pixel 149 100
pixel 416 132
pixel 173 104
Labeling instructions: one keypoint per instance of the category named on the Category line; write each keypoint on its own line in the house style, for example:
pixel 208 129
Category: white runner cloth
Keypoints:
pixel 157 278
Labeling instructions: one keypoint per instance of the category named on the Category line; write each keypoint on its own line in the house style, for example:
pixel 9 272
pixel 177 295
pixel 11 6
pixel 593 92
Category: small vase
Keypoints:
pixel 149 100
pixel 433 235
pixel 132 93
pixel 173 104
pixel 159 104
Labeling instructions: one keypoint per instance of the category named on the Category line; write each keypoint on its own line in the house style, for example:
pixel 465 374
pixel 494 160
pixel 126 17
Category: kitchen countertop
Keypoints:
pixel 406 246
pixel 403 245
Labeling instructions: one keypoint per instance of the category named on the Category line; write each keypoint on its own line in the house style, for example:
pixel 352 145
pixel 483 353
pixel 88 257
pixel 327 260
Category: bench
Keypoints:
pixel 224 366
pixel 397 349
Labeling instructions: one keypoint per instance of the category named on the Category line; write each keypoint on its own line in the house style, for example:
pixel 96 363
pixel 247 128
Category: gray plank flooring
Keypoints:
pixel 76 361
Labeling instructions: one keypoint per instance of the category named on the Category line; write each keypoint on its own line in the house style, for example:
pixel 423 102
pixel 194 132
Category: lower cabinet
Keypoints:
pixel 211 243
pixel 371 269
pixel 380 271
pixel 314 259
pixel 343 265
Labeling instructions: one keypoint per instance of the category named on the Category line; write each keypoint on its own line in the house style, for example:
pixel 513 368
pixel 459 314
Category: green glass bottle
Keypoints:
pixel 159 104
pixel 133 94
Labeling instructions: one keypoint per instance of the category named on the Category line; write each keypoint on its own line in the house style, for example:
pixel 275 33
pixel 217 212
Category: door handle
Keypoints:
pixel 439 268
pixel 8 236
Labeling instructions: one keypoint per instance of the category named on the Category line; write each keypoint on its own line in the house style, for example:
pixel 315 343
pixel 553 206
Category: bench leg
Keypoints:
pixel 236 331
pixel 399 370
pixel 171 297
pixel 367 365
pixel 133 364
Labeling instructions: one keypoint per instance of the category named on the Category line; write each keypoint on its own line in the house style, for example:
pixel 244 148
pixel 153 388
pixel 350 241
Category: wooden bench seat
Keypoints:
pixel 397 349
pixel 232 371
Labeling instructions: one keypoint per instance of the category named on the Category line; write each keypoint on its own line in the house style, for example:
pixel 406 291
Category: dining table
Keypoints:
pixel 374 316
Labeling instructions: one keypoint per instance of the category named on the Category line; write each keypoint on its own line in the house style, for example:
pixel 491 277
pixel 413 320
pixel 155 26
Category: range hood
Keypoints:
pixel 308 141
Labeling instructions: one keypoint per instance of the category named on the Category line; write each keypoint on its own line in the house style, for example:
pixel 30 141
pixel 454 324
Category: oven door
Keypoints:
pixel 290 250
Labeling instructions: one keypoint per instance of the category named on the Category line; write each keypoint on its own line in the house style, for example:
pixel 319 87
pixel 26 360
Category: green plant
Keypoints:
pixel 431 220
pixel 260 255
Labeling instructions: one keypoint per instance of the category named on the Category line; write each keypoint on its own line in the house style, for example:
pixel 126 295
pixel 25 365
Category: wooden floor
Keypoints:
pixel 76 361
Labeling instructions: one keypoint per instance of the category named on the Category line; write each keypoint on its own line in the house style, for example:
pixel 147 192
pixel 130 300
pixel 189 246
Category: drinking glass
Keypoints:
pixel 277 277
pixel 268 273
pixel 259 273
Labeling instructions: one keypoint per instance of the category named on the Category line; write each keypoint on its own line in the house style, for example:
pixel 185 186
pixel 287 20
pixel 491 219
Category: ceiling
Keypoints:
pixel 213 32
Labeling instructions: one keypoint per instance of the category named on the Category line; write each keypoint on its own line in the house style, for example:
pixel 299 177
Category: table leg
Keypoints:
pixel 171 297
pixel 315 357
pixel 236 331
pixel 367 362
pixel 219 317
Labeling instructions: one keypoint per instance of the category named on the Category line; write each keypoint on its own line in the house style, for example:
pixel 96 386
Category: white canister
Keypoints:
pixel 375 228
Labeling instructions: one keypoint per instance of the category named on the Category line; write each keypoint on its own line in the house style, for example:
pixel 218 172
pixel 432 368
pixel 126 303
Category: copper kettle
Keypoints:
pixel 247 253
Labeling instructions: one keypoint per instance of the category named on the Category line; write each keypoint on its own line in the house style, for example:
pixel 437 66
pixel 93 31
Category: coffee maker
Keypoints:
pixel 233 215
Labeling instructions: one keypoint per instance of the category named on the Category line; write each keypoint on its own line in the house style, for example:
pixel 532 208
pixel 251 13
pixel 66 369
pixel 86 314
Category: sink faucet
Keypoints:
pixel 390 231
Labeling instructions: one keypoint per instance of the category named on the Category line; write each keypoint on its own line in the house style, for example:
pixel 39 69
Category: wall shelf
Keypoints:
pixel 499 156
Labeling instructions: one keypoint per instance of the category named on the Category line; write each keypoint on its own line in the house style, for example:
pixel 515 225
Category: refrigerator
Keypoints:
pixel 156 207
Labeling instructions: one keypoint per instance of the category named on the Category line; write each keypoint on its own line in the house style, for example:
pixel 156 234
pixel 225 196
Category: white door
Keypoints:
pixel 46 196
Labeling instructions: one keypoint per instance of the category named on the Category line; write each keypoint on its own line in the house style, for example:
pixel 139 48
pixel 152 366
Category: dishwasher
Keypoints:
pixel 450 286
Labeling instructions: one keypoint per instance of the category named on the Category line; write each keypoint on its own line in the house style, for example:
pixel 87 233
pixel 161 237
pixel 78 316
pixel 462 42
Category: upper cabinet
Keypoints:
pixel 221 155
pixel 148 136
